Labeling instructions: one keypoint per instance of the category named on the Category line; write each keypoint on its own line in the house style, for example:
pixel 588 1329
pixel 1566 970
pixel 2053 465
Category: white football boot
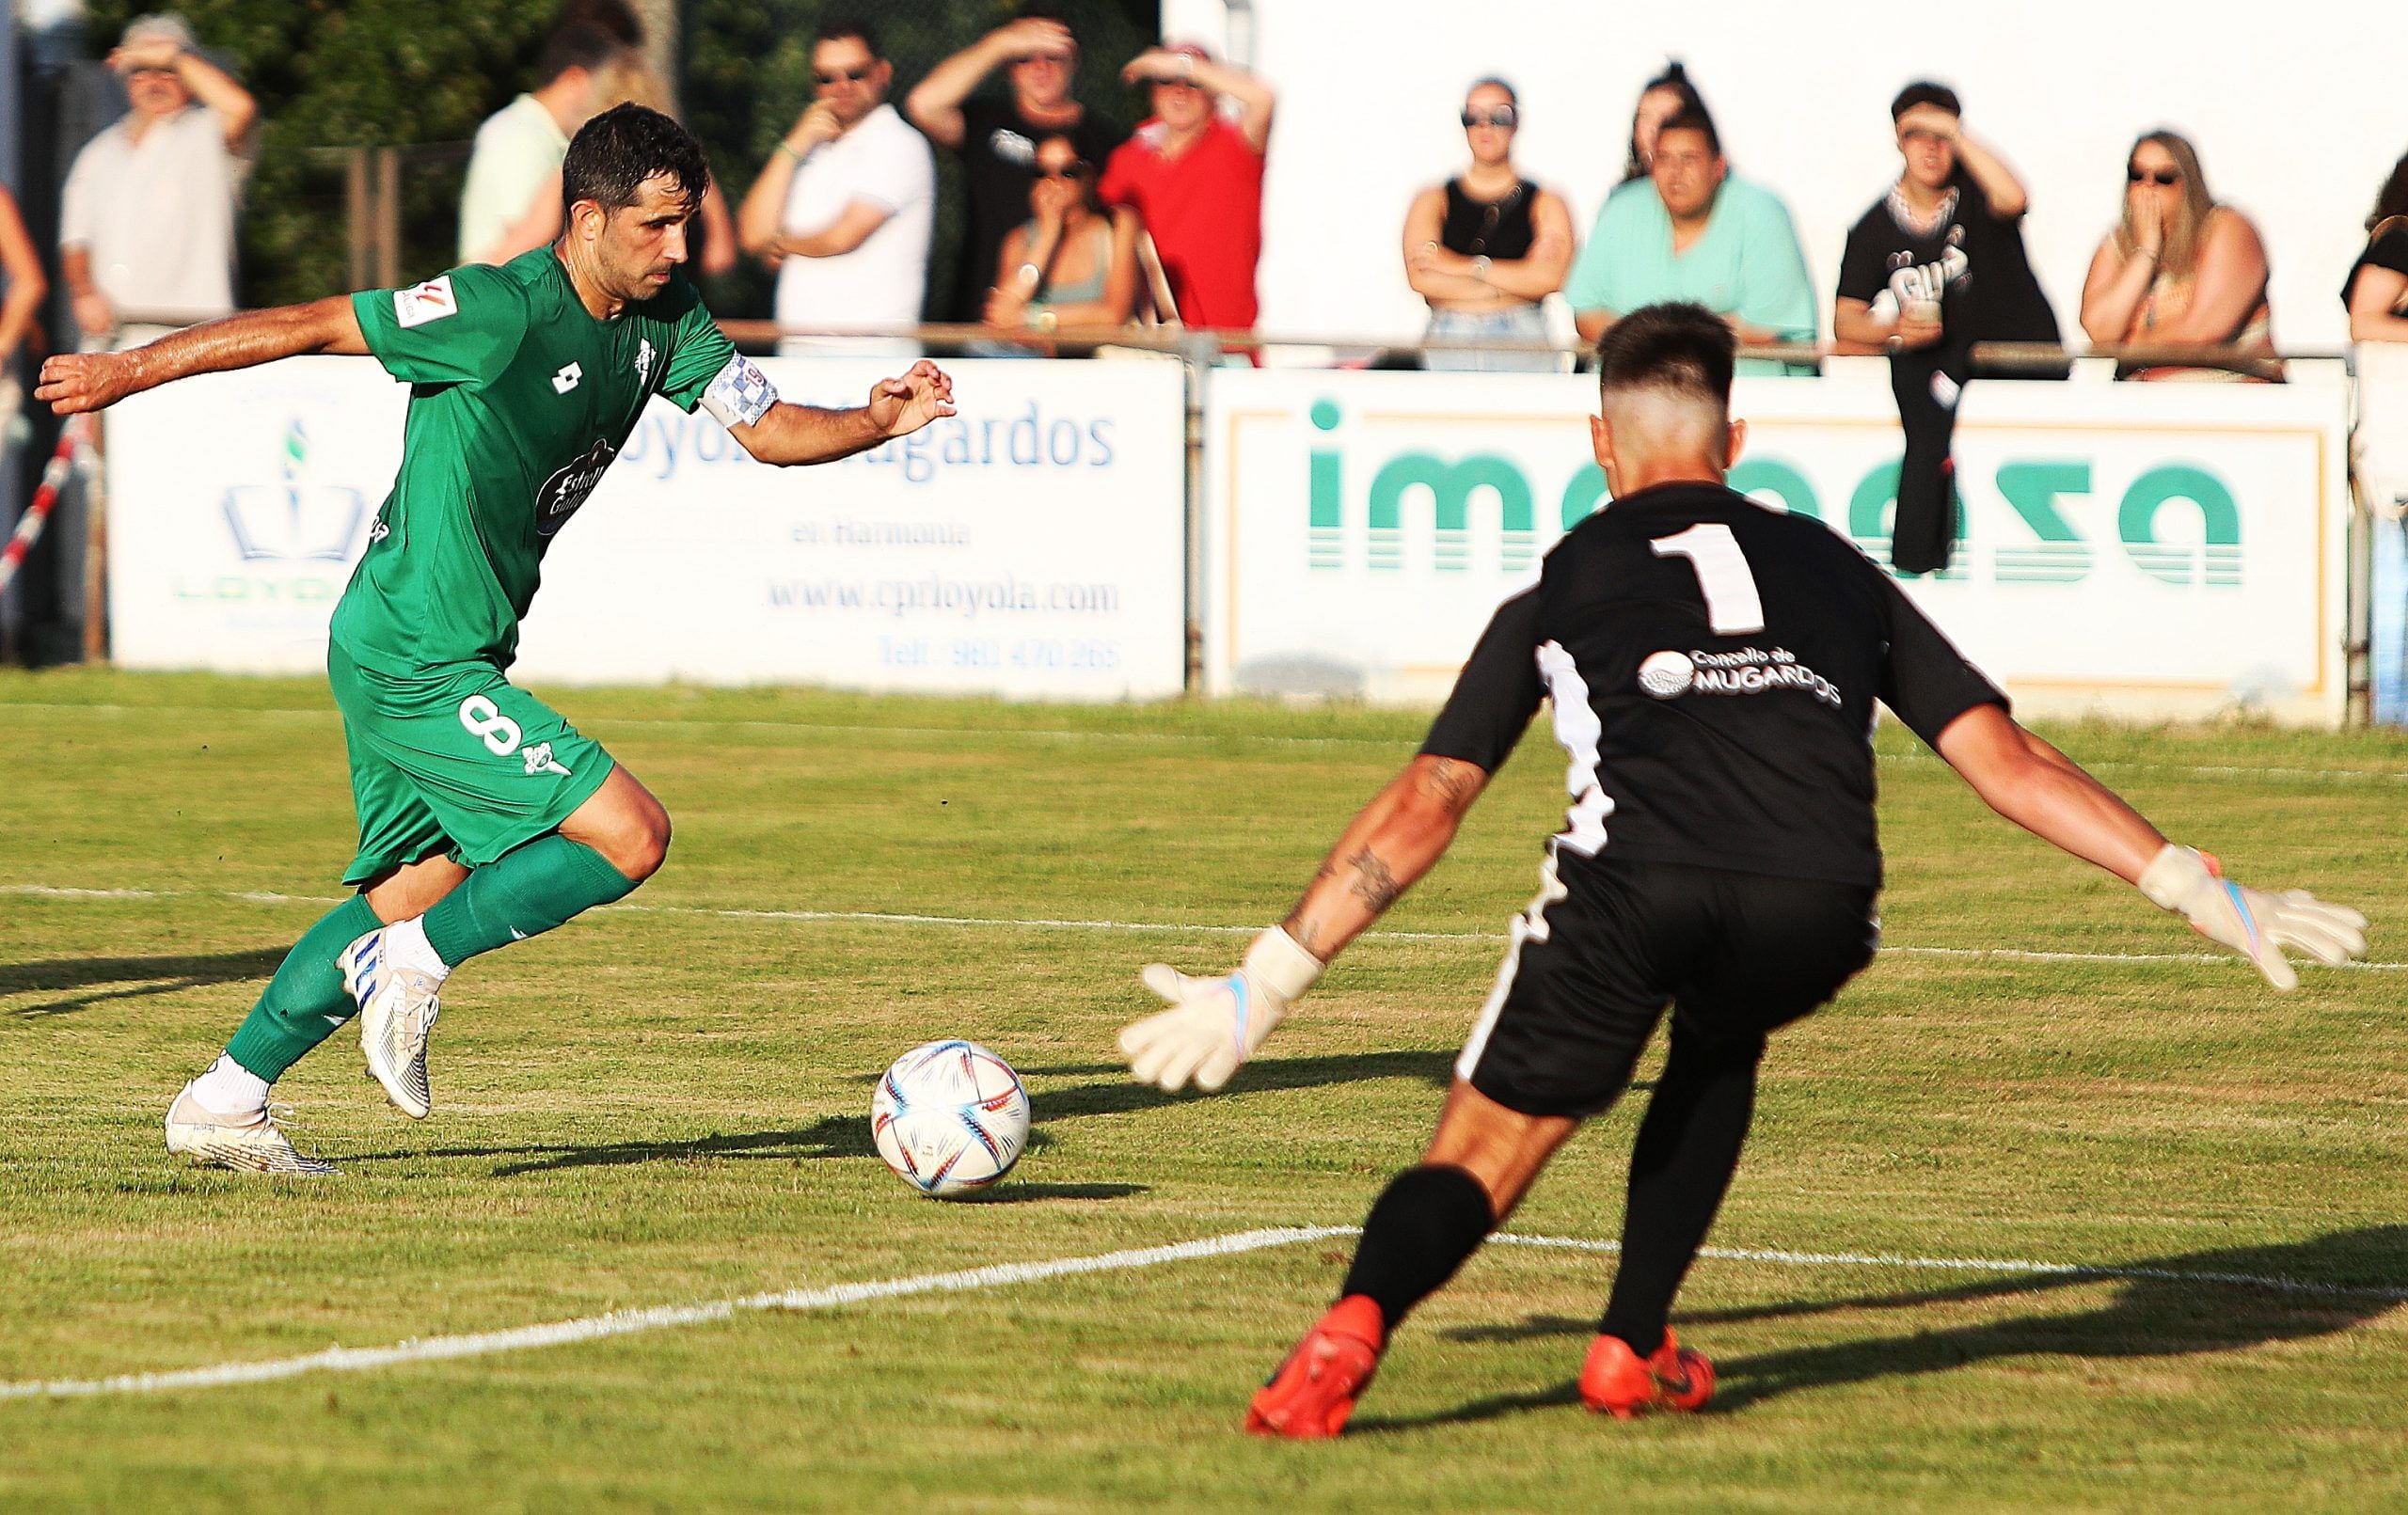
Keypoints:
pixel 252 1144
pixel 397 1010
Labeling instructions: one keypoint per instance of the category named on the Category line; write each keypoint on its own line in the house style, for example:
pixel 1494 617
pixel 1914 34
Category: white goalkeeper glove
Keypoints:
pixel 1214 1025
pixel 2253 924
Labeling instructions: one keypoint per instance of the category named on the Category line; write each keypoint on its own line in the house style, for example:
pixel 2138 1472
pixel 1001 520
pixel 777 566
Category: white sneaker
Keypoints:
pixel 397 1010
pixel 256 1144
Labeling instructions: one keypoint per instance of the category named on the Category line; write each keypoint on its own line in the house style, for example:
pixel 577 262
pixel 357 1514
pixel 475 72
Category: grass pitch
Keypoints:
pixel 666 1105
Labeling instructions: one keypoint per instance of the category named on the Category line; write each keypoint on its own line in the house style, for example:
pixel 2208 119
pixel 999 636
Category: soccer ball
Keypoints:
pixel 949 1118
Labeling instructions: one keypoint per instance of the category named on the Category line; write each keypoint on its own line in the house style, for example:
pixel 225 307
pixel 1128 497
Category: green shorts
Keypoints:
pixel 455 760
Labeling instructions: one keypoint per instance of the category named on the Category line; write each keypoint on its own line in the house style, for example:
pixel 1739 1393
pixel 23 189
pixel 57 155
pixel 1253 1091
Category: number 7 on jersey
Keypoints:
pixel 1732 607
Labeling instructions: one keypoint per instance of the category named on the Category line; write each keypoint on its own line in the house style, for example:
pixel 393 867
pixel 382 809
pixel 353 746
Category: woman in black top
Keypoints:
pixel 2376 290
pixel 1487 246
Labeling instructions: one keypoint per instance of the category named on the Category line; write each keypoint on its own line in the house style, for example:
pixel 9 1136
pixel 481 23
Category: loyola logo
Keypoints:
pixel 295 521
pixel 2037 491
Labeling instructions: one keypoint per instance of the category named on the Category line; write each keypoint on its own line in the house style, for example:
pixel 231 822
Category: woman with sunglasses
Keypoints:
pixel 2179 270
pixel 1073 262
pixel 1487 246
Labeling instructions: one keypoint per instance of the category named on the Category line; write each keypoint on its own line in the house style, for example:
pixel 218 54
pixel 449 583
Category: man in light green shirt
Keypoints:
pixel 519 147
pixel 1692 231
pixel 484 817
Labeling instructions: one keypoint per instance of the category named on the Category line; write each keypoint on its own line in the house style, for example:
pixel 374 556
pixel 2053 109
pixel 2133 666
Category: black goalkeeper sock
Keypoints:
pixel 1420 1230
pixel 1680 1168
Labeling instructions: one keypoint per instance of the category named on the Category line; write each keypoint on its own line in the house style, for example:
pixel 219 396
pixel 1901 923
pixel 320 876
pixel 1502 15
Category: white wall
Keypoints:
pixel 2297 112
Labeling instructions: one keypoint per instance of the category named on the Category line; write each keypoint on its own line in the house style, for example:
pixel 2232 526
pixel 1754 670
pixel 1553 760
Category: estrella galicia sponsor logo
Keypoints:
pixel 1670 674
pixel 567 489
pixel 297 520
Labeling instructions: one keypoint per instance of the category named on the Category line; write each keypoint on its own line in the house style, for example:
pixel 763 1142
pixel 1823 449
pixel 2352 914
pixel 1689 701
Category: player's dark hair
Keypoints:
pixel 1924 92
pixel 1693 121
pixel 836 29
pixel 617 150
pixel 1675 77
pixel 579 44
pixel 2393 200
pixel 1678 347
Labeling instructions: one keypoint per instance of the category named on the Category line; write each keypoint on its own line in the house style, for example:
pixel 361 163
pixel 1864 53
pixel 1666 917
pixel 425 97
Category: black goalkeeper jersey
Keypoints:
pixel 1712 665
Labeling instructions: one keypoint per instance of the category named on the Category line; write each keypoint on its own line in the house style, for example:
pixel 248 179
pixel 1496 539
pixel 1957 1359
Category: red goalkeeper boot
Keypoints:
pixel 1314 1390
pixel 1617 1381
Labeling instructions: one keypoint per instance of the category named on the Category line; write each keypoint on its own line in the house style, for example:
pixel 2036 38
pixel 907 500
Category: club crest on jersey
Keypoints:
pixel 540 760
pixel 1670 674
pixel 567 489
pixel 643 360
pixel 429 301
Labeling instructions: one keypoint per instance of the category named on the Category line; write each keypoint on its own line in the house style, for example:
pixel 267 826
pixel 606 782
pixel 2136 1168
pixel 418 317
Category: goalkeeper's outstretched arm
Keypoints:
pixel 1214 1025
pixel 2040 789
pixel 72 383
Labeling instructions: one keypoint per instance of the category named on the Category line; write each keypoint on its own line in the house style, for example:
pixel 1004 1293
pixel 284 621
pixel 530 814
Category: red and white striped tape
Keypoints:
pixel 54 477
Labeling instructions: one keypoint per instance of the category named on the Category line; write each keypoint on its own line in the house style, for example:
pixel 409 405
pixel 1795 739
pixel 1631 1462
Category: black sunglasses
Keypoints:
pixel 2162 176
pixel 1078 169
pixel 1501 115
pixel 842 76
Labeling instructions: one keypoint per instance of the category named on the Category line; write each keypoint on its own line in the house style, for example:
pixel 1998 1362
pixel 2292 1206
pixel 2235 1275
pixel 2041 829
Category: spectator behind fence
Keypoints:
pixel 1937 265
pixel 26 287
pixel 1196 181
pixel 628 80
pixel 1660 98
pixel 1072 263
pixel 146 225
pixel 2376 292
pixel 2179 270
pixel 519 147
pixel 1487 246
pixel 844 205
pixel 996 138
pixel 1695 231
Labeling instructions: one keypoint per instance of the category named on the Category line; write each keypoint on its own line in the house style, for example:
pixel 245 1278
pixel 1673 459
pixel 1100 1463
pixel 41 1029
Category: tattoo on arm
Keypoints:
pixel 1373 883
pixel 1451 782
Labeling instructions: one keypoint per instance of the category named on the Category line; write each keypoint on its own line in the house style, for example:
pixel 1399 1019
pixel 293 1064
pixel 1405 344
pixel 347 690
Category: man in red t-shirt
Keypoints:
pixel 1196 179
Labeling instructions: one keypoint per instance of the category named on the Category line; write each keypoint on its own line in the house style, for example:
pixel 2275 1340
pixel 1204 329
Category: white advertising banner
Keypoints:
pixel 1031 546
pixel 2140 549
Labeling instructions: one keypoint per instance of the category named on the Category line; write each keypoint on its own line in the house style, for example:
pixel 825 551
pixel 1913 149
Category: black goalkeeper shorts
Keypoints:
pixel 1609 943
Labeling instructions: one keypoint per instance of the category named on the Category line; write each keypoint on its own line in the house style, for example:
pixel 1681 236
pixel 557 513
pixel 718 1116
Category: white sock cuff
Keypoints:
pixel 406 946
pixel 230 1089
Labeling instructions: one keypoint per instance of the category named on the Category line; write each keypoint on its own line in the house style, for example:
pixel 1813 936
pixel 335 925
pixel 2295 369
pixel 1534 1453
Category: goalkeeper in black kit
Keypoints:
pixel 1712 667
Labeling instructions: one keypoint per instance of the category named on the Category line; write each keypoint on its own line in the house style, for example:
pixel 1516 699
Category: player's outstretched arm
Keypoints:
pixel 2040 789
pixel 789 434
pixel 72 383
pixel 1214 1025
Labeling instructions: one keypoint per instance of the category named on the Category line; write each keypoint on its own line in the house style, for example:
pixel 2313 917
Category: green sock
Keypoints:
pixel 522 894
pixel 305 1001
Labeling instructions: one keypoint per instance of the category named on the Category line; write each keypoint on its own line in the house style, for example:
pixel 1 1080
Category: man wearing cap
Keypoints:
pixel 146 230
pixel 1196 178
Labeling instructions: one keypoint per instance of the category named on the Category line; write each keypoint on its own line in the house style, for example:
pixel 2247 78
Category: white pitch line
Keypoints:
pixel 1985 1265
pixel 2200 770
pixel 1003 1276
pixel 2012 954
pixel 630 1322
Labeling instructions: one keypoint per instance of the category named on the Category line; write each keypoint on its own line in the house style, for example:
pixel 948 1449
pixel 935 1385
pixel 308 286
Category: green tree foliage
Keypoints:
pixel 332 74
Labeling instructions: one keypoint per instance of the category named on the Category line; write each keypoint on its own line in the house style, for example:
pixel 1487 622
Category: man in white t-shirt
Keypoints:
pixel 145 226
pixel 519 147
pixel 845 207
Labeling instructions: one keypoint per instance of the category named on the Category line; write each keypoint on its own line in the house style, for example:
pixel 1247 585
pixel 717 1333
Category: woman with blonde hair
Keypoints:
pixel 2179 270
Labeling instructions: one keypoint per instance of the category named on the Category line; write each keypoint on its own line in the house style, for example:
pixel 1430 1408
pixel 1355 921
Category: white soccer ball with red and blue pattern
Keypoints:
pixel 949 1118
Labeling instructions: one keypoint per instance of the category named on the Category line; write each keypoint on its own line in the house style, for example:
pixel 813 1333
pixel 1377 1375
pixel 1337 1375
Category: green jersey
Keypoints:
pixel 519 398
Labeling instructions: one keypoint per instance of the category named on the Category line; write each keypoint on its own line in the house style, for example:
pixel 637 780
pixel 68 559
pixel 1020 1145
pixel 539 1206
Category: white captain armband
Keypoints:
pixel 741 394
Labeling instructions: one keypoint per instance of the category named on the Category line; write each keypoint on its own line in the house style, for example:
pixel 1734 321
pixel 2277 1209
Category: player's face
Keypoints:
pixel 1931 157
pixel 1688 171
pixel 848 79
pixel 643 244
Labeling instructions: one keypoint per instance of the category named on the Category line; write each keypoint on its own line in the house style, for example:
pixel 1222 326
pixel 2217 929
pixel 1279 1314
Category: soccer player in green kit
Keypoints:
pixel 484 818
